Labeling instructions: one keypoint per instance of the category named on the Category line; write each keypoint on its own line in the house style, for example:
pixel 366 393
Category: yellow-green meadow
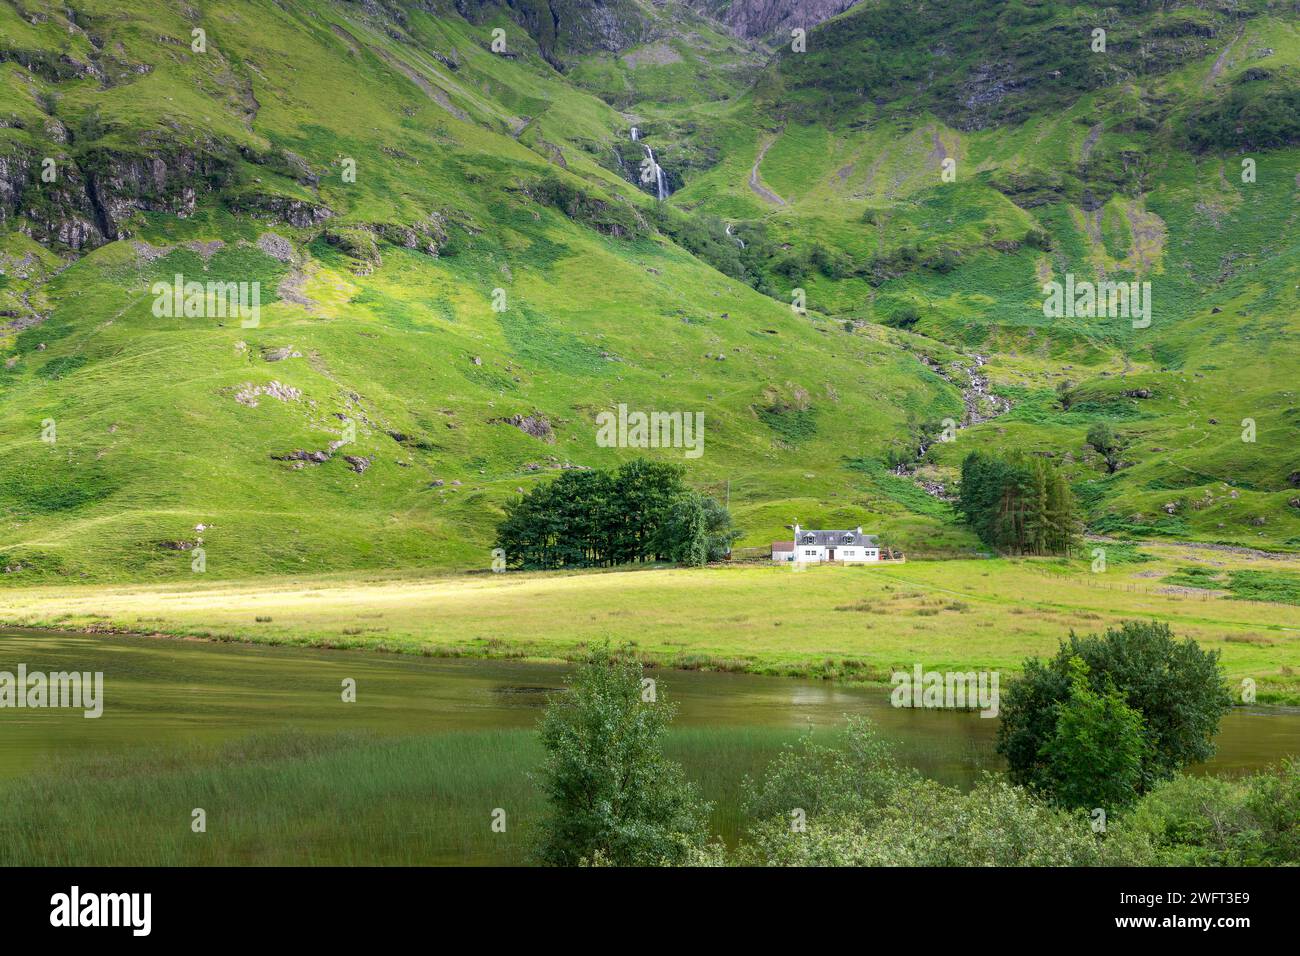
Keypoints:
pixel 850 623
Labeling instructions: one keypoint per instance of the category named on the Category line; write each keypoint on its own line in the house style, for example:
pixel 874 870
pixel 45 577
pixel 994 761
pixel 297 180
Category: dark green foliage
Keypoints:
pixel 831 264
pixel 903 318
pixel 1017 504
pixel 794 425
pixel 1206 821
pixel 1263 114
pixel 706 238
pixel 642 512
pixel 896 56
pixel 57 368
pixel 698 530
pixel 613 797
pixel 1037 238
pixel 610 217
pixel 1244 585
pixel 1275 586
pixel 1108 444
pixel 793 266
pixel 892 264
pixel 1176 686
pixel 1094 756
pixel 858 807
pixel 850 803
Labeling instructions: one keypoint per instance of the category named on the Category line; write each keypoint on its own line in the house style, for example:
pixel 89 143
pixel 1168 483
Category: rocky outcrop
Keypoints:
pixel 761 19
pixel 535 425
pixel 93 198
pixel 569 26
pixel 301 213
pixel 428 235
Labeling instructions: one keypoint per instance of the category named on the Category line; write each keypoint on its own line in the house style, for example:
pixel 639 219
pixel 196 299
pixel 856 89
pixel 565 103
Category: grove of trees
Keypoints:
pixel 1018 504
pixel 642 512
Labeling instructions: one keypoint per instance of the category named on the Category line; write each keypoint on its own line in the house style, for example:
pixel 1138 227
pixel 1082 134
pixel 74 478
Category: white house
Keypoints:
pixel 849 547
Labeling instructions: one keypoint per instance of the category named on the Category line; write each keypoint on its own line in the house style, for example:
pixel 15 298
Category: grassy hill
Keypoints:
pixel 383 409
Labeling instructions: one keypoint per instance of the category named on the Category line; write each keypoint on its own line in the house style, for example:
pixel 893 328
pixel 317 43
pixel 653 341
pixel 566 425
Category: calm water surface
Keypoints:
pixel 158 691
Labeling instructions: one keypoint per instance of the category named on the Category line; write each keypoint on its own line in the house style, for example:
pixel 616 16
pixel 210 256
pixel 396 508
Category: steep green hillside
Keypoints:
pixel 462 262
pixel 475 172
pixel 1124 165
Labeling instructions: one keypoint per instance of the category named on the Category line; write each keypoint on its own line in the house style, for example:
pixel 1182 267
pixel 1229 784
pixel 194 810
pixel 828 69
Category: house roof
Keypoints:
pixel 782 545
pixel 835 539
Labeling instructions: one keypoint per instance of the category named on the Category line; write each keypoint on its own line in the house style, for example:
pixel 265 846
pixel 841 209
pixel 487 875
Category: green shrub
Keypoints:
pixel 614 799
pixel 1094 756
pixel 1176 686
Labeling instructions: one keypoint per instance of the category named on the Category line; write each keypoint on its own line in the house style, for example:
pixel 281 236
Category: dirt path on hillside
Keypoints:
pixel 1222 60
pixel 757 186
pixel 938 151
pixel 1240 550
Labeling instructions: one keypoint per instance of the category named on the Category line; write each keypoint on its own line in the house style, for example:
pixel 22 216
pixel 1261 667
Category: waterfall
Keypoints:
pixel 636 134
pixel 737 238
pixel 661 191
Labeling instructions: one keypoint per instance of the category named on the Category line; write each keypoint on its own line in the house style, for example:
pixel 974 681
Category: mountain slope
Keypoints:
pixel 378 303
pixel 1125 166
pixel 382 409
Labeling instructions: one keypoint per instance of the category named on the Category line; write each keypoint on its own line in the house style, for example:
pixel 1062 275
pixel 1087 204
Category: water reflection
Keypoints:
pixel 159 691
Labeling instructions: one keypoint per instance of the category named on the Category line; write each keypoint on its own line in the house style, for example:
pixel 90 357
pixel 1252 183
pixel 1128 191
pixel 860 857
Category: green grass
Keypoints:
pixel 1278 587
pixel 333 800
pixel 958 614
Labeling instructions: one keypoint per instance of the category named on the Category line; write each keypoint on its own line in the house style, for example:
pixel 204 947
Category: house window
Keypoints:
pixel 810 552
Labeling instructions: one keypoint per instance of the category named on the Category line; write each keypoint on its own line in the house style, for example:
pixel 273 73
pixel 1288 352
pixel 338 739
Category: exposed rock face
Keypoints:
pixel 572 26
pixel 428 235
pixel 293 212
pixel 612 26
pixel 535 425
pixel 90 201
pixel 758 19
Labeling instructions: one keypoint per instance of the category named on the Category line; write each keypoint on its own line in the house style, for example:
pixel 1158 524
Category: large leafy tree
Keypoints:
pixel 1176 686
pixel 613 797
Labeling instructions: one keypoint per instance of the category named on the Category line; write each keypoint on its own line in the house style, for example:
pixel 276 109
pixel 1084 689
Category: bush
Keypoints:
pixel 1176 686
pixel 859 808
pixel 613 797
pixel 903 318
pixel 1039 239
pixel 1204 821
pixel 1094 756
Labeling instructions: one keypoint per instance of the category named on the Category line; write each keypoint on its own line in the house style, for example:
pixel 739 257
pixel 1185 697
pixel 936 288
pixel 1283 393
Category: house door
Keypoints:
pixel 830 554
